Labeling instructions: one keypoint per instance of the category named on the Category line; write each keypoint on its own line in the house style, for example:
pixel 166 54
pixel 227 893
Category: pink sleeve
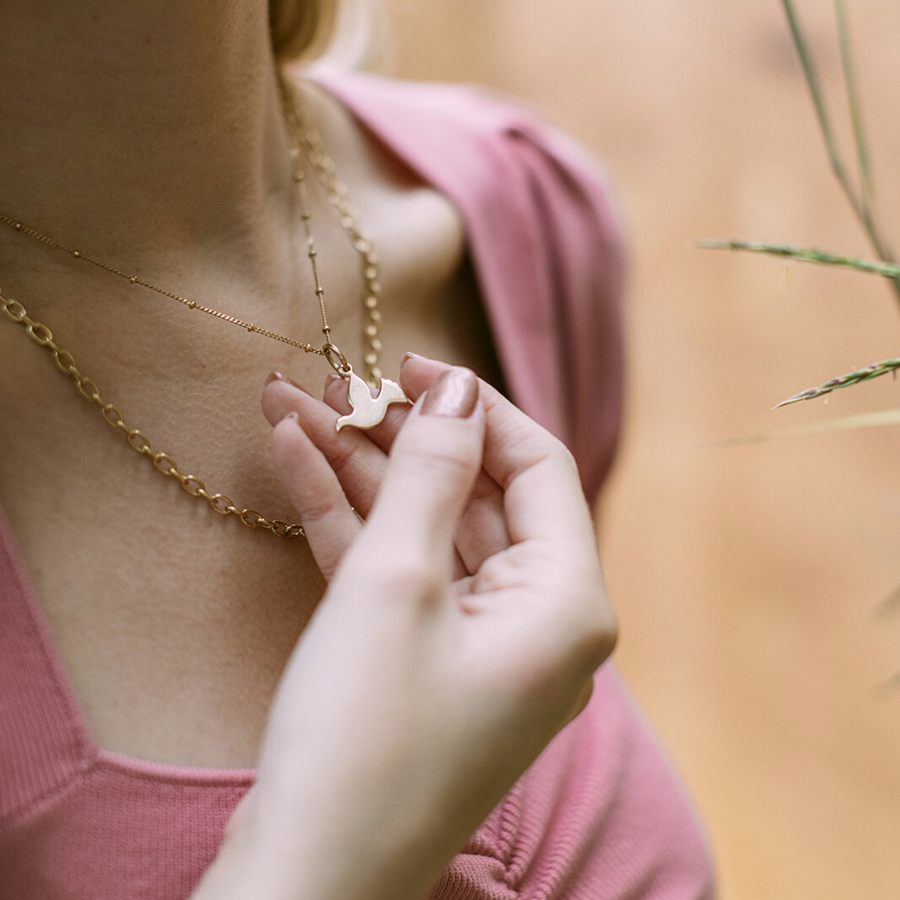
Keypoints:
pixel 581 259
pixel 599 816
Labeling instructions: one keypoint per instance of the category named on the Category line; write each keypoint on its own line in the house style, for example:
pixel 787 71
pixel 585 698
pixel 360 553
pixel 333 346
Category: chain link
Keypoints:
pixel 138 441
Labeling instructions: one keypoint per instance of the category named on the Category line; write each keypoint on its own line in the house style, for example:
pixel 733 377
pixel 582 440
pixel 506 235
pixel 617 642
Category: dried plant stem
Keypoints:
pixel 807 254
pixel 861 204
pixel 859 134
pixel 866 374
pixel 812 82
pixel 882 418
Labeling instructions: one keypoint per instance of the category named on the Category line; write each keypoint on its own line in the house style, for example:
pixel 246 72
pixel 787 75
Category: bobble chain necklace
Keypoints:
pixel 367 410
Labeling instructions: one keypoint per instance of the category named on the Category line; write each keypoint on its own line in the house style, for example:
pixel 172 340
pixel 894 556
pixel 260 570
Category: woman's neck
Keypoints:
pixel 141 124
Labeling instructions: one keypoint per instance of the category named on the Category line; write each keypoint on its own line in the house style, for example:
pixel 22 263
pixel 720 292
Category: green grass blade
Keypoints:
pixel 859 133
pixel 861 207
pixel 876 370
pixel 807 254
pixel 866 179
pixel 818 98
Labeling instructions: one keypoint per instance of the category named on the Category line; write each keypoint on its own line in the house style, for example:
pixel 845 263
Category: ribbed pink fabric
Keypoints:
pixel 600 814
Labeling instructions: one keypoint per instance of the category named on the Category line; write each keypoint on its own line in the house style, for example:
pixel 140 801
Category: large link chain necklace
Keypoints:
pixel 367 410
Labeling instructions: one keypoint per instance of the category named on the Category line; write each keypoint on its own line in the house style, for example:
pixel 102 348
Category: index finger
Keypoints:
pixel 433 465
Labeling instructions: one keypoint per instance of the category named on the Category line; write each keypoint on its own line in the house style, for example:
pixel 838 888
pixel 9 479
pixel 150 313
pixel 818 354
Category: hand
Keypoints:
pixel 360 459
pixel 415 700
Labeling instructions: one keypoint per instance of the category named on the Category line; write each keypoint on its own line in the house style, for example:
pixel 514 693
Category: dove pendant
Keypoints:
pixel 368 411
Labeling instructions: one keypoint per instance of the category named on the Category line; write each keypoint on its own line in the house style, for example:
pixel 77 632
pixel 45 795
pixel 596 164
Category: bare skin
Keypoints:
pixel 436 668
pixel 150 136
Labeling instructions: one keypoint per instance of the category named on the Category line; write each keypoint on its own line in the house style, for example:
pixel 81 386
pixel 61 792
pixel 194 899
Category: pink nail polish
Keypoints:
pixel 277 376
pixel 454 394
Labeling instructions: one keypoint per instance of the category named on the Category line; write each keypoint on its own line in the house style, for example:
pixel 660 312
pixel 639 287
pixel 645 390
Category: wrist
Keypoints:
pixel 276 854
pixel 249 866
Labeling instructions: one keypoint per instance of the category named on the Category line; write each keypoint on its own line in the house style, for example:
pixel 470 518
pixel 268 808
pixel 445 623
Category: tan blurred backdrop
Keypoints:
pixel 746 577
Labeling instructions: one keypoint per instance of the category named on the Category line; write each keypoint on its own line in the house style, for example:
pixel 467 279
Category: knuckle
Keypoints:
pixel 438 466
pixel 451 457
pixel 565 458
pixel 314 510
pixel 599 631
pixel 586 630
pixel 549 447
pixel 491 576
pixel 342 453
pixel 439 440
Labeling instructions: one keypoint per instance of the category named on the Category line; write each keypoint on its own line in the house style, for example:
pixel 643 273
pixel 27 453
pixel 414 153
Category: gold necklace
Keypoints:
pixel 367 411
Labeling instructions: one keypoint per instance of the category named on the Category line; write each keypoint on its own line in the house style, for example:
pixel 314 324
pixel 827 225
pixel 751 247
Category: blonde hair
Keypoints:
pixel 301 28
pixel 346 34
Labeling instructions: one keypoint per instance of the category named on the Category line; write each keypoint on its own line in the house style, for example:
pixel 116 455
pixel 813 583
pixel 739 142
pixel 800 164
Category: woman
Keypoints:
pixel 157 142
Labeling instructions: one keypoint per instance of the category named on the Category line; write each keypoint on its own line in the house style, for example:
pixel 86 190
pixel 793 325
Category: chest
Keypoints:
pixel 172 624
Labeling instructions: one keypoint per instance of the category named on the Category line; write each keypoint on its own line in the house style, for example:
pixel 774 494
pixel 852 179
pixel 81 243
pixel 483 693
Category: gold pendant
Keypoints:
pixel 368 411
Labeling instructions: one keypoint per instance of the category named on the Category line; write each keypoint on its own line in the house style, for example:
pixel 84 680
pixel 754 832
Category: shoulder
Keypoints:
pixel 543 233
pixel 451 119
pixel 490 151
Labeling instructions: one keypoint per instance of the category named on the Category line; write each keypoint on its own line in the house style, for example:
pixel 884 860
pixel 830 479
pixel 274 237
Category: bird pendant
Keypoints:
pixel 368 411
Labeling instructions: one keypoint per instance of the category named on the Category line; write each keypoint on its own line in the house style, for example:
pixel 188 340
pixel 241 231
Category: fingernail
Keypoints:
pixel 455 393
pixel 277 376
pixel 293 417
pixel 409 355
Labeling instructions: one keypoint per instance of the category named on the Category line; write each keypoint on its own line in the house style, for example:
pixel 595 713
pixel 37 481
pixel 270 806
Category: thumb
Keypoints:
pixel 433 465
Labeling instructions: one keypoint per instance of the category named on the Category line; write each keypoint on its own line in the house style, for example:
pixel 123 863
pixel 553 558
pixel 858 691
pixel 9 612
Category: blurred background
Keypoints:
pixel 746 576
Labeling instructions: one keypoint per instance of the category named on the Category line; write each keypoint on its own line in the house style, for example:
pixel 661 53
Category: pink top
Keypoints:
pixel 600 814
